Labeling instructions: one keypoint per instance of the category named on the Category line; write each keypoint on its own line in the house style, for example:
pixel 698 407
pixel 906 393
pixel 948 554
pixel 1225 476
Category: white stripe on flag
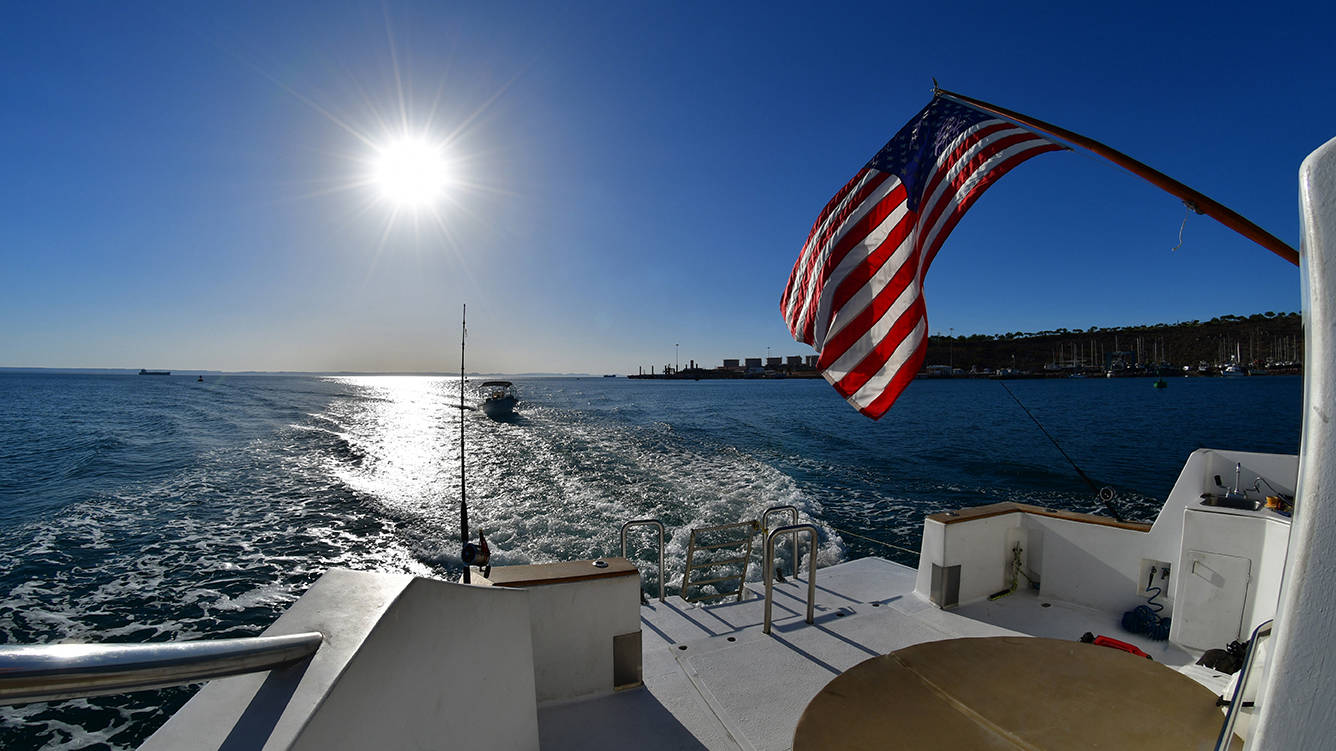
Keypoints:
pixel 815 284
pixel 876 332
pixel 877 384
pixel 865 294
pixel 801 292
pixel 828 322
pixel 951 200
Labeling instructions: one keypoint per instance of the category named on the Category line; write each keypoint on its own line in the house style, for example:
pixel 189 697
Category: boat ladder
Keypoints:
pixel 710 543
pixel 721 554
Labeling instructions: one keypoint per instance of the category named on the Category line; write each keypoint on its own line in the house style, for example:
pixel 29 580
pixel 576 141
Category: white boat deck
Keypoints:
pixel 714 680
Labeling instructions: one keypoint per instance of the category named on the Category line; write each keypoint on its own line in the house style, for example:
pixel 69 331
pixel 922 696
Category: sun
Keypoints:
pixel 411 172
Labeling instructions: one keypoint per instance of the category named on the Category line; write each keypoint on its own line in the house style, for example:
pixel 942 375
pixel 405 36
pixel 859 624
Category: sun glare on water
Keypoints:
pixel 411 172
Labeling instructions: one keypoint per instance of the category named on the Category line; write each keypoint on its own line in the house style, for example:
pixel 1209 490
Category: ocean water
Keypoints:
pixel 157 508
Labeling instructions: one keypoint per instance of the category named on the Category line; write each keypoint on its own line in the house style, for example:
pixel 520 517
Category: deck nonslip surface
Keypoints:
pixel 714 680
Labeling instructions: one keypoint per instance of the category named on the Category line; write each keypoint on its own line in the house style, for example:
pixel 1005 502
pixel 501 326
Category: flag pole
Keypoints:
pixel 1195 201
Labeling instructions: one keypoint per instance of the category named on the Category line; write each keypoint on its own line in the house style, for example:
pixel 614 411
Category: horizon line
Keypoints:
pixel 208 371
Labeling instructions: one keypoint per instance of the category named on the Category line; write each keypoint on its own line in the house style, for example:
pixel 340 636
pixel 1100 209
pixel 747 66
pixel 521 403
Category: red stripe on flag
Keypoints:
pixel 857 233
pixel 968 200
pixel 946 161
pixel 799 280
pixel 801 314
pixel 863 320
pixel 878 407
pixel 875 360
pixel 875 260
pixel 966 172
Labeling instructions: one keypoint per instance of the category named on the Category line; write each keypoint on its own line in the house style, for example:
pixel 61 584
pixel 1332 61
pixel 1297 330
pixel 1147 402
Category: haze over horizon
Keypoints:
pixel 191 184
pixel 1073 335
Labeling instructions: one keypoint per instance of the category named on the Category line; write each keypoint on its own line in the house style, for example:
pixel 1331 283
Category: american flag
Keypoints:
pixel 856 292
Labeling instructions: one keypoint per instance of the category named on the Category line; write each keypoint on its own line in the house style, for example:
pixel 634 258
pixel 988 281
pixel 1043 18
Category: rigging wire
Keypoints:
pixel 1188 210
pixel 1105 497
pixel 871 539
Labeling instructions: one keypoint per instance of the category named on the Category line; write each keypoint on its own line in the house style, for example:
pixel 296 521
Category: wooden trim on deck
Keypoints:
pixel 559 573
pixel 1010 507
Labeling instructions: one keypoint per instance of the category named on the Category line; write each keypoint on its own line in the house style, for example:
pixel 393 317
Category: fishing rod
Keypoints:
pixel 1105 494
pixel 479 555
pixel 463 497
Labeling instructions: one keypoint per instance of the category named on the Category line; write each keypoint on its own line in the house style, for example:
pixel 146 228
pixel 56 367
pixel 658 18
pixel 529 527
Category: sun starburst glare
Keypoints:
pixel 411 172
pixel 417 158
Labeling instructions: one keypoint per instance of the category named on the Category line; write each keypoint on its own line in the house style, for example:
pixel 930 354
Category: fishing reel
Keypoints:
pixel 478 555
pixel 1106 496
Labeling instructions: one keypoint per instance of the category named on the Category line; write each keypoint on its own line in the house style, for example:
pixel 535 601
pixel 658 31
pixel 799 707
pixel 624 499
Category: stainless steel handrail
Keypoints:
pixel 769 569
pixel 793 514
pixel 654 523
pixel 47 672
pixel 1232 714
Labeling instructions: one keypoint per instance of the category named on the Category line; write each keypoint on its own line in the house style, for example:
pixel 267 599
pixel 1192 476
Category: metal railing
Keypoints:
pixel 48 672
pixel 1236 702
pixel 769 569
pixel 650 523
pixel 765 528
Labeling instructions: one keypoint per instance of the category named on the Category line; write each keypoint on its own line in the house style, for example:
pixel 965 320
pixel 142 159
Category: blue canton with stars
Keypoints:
pixel 911 154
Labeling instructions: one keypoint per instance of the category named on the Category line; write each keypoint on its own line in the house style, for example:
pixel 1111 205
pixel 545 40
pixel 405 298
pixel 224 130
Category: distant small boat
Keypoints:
pixel 154 372
pixel 200 379
pixel 609 375
pixel 1160 383
pixel 498 398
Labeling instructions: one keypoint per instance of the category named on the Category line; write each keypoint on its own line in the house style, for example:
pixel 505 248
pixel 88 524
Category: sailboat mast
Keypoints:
pixel 463 496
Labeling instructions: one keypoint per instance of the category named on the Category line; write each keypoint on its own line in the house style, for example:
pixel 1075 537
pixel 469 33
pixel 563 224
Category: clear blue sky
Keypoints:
pixel 179 179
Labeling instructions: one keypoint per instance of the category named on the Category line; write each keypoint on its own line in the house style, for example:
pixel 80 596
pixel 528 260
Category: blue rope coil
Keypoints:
pixel 1143 620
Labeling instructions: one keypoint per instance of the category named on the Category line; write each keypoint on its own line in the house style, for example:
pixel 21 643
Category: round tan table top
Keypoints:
pixel 1010 693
